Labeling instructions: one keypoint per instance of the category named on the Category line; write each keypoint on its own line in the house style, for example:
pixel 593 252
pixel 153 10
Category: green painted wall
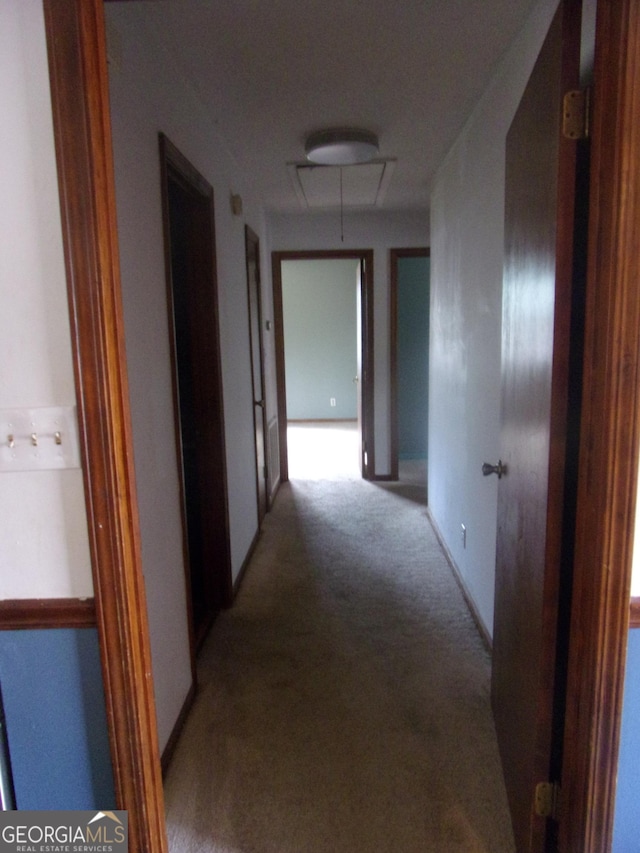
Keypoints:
pixel 413 357
pixel 320 325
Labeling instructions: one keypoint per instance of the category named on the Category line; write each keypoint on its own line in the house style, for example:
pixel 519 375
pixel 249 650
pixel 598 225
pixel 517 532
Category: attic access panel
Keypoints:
pixel 363 185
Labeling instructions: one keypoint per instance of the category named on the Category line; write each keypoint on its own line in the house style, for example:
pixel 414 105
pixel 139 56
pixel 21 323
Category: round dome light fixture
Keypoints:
pixel 341 147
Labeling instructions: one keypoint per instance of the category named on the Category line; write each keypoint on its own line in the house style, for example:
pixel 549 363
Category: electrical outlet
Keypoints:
pixel 332 401
pixel 463 535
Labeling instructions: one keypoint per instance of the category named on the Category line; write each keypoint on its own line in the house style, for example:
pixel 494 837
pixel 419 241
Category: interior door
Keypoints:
pixel 193 321
pixel 257 368
pixel 531 577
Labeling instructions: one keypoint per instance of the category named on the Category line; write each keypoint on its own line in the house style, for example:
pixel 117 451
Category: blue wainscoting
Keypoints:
pixel 626 832
pixel 55 715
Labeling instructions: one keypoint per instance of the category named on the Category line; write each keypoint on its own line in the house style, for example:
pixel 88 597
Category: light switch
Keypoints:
pixel 39 439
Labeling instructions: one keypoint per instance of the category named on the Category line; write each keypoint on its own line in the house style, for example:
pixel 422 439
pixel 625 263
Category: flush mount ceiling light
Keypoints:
pixel 341 147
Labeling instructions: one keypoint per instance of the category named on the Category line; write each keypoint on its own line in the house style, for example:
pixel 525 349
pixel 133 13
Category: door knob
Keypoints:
pixel 498 469
pixel 259 403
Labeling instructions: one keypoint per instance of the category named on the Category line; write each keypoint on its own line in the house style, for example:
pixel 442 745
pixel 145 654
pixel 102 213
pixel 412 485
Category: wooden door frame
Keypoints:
pixel 251 237
pixel 367 346
pixel 610 440
pixel 175 166
pixel 394 257
pixel 610 432
pixel 81 120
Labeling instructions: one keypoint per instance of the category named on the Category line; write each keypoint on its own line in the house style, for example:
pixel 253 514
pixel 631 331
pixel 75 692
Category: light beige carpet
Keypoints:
pixel 344 699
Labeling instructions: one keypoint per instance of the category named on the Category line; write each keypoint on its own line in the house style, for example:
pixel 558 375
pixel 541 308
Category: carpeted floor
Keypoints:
pixel 344 700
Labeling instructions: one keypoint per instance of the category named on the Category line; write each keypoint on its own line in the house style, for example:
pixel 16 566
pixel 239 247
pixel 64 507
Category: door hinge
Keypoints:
pixel 547 800
pixel 265 472
pixel 576 114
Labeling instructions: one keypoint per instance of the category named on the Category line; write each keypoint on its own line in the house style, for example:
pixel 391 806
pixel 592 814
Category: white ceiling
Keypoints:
pixel 270 72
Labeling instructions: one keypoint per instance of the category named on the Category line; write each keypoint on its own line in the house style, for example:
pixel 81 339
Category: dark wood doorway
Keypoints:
pixel 610 427
pixel 364 351
pixel 254 293
pixel 197 380
pixel 536 494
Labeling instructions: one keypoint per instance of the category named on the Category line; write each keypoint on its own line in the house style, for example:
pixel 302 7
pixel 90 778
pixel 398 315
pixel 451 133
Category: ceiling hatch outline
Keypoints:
pixel 363 184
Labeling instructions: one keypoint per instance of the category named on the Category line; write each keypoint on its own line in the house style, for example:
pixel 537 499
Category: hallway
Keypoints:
pixel 344 699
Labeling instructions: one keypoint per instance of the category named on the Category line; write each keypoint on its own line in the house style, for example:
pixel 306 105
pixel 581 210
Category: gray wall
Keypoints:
pixel 320 325
pixel 467 235
pixel 147 96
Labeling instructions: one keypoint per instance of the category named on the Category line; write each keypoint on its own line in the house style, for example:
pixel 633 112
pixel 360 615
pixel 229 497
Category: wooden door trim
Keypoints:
pixel 250 236
pixel 367 332
pixel 43 613
pixel 174 165
pixel 610 439
pixel 394 257
pixel 281 392
pixel 170 154
pixel 80 102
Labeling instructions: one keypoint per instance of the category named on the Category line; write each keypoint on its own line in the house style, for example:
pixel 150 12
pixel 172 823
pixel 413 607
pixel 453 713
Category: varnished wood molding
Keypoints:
pixel 610 437
pixel 634 613
pixel 80 105
pixel 21 614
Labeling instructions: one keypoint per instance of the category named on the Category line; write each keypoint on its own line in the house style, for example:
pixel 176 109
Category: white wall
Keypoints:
pixel 378 231
pixel 148 96
pixel 44 543
pixel 467 227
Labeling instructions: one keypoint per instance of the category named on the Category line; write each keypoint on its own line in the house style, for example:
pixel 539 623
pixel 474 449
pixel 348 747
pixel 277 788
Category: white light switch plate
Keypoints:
pixel 39 439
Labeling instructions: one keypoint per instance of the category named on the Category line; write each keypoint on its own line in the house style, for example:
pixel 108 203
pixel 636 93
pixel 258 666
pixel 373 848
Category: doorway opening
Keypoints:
pixel 409 363
pixel 610 445
pixel 323 312
pixel 193 329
